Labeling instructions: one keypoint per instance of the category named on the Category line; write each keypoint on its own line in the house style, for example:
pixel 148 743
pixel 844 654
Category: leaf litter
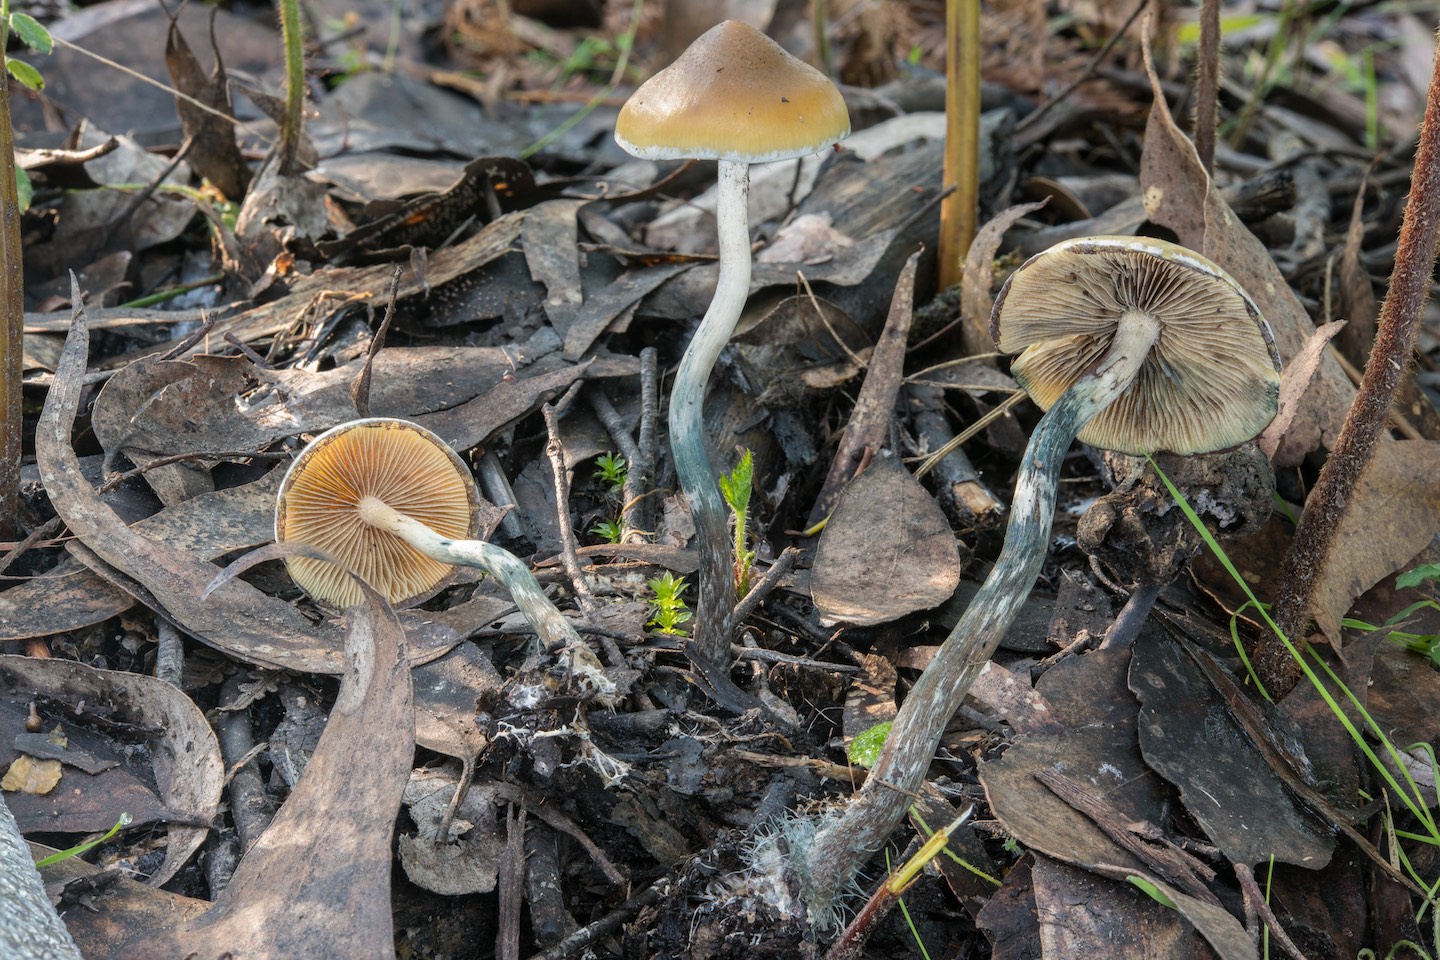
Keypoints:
pixel 1146 789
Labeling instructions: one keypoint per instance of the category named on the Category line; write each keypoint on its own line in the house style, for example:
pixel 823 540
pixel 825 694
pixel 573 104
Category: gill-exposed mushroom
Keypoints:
pixel 1133 344
pixel 737 97
pixel 393 503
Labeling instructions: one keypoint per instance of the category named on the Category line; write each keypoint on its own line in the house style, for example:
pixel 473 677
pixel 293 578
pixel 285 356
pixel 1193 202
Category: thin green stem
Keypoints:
pixel 292 34
pixel 12 289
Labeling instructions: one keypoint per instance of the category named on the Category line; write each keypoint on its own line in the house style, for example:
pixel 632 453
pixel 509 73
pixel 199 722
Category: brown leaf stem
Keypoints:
pixel 1311 550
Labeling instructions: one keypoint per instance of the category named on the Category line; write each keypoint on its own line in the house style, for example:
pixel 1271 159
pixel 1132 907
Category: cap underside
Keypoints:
pixel 1211 380
pixel 396 462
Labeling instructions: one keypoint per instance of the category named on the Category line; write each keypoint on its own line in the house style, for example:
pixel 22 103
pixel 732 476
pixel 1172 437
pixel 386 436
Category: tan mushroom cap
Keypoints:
pixel 399 463
pixel 1212 378
pixel 734 94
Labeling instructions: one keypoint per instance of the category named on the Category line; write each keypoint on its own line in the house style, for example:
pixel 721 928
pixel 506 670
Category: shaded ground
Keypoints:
pixel 540 286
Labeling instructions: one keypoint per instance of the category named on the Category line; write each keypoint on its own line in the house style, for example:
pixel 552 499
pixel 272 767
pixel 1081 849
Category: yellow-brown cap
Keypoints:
pixel 397 462
pixel 1212 378
pixel 734 94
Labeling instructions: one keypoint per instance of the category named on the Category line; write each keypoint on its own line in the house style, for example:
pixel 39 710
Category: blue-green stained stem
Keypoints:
pixel 687 427
pixel 842 843
pixel 549 623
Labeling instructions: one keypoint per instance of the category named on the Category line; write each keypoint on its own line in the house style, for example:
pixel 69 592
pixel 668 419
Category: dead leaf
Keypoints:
pixel 177 777
pixel 1293 384
pixel 976 299
pixel 869 425
pixel 29 775
pixel 317 882
pixel 213 150
pixel 1392 514
pixel 1081 914
pixel 238 619
pixel 887 550
pixel 69 596
pixel 467 860
pixel 1188 737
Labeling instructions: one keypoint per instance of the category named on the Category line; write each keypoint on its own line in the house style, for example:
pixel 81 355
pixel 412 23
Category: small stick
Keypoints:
pixel 1033 118
pixel 585 936
pixel 757 593
pixel 169 652
pixel 1255 899
pixel 639 513
pixel 571 560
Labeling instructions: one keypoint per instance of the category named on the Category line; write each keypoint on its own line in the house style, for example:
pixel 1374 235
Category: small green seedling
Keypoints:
pixel 668 610
pixel 611 471
pixel 735 487
pixel 1425 644
pixel 75 851
pixel 864 750
pixel 609 531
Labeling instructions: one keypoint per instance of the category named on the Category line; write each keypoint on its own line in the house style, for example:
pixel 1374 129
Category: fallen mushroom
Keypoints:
pixel 1129 343
pixel 393 503
pixel 737 97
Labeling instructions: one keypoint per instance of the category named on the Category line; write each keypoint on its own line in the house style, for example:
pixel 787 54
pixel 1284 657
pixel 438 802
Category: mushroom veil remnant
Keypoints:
pixel 1132 344
pixel 737 97
pixel 391 502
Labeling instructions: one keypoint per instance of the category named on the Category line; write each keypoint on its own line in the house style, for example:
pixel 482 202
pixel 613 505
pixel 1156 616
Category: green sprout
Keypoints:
pixel 75 851
pixel 735 487
pixel 611 471
pixel 609 531
pixel 1425 644
pixel 864 750
pixel 668 610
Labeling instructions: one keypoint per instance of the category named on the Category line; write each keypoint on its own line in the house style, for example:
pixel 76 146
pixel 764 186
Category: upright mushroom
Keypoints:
pixel 737 97
pixel 393 503
pixel 1133 344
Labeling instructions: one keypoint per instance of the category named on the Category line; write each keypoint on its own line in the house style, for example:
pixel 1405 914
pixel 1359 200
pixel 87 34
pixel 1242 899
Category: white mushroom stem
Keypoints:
pixel 848 838
pixel 549 623
pixel 686 420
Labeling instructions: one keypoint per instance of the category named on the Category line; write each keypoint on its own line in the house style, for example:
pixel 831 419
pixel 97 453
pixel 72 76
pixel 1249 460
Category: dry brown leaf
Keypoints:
pixel 239 619
pixel 28 775
pixel 975 296
pixel 179 773
pixel 317 882
pixel 887 550
pixel 1392 515
pixel 1297 376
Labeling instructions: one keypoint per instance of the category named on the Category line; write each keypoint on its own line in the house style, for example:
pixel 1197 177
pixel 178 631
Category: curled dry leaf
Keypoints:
pixel 317 882
pixel 238 619
pixel 1178 194
pixel 182 753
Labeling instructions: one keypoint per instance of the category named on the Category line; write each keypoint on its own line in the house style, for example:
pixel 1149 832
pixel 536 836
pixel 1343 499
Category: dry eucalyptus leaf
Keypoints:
pixel 1084 915
pixel 237 619
pixel 466 861
pixel 1393 513
pixel 70 596
pixel 1178 194
pixel 976 299
pixel 180 771
pixel 1188 737
pixel 317 882
pixel 887 551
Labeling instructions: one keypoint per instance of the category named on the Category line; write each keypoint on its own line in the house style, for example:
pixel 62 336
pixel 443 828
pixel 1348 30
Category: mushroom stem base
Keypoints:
pixel 849 837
